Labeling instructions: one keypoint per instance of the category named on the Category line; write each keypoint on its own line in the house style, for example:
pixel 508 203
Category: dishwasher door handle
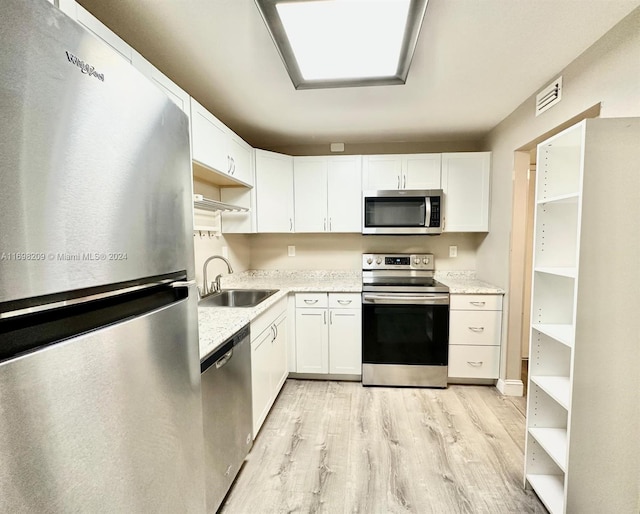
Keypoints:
pixel 224 359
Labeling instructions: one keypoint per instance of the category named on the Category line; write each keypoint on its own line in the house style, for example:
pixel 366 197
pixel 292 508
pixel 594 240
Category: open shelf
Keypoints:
pixel 563 333
pixel 560 271
pixel 559 165
pixel 557 234
pixel 550 490
pixel 564 198
pixel 554 442
pixel 558 388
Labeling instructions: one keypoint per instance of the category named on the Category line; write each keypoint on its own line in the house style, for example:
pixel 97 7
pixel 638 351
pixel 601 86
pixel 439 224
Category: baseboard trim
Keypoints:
pixel 510 387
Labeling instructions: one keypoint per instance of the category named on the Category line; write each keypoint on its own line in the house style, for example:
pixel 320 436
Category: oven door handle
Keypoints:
pixel 435 299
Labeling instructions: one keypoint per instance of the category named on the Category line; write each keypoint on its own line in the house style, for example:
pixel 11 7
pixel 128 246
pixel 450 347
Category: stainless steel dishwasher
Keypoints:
pixel 226 405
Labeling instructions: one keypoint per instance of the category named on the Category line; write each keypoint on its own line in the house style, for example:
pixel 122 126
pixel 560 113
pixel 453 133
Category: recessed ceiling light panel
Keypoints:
pixel 339 43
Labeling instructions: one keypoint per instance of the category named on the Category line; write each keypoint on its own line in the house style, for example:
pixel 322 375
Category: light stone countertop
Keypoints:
pixel 217 324
pixel 465 282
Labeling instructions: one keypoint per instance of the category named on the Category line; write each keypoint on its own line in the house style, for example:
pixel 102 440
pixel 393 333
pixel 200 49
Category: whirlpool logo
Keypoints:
pixel 85 68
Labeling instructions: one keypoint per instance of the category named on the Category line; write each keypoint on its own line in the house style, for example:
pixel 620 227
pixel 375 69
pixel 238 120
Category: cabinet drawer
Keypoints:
pixel 311 300
pixel 475 327
pixel 476 302
pixel 345 300
pixel 466 361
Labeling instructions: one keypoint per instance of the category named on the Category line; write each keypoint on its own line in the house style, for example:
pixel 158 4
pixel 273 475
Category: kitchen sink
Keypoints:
pixel 237 298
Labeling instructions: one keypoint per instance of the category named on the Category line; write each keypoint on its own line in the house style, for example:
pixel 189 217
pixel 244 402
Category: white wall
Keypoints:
pixel 609 73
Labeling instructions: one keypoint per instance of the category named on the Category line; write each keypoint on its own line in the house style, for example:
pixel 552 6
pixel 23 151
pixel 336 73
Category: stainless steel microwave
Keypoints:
pixel 404 211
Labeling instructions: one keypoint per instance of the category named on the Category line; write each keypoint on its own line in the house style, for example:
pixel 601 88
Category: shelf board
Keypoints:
pixel 570 197
pixel 564 333
pixel 554 442
pixel 550 490
pixel 561 272
pixel 559 388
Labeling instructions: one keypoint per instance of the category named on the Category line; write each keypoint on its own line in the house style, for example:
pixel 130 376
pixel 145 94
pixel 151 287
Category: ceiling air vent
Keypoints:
pixel 549 96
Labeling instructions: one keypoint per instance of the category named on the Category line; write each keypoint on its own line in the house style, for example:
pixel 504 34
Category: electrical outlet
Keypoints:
pixel 291 251
pixel 453 251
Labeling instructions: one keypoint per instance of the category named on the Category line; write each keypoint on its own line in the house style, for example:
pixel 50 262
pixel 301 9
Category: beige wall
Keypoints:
pixel 609 73
pixel 458 145
pixel 344 251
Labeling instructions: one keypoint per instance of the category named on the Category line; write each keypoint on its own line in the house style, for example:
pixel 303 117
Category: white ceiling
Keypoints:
pixel 475 62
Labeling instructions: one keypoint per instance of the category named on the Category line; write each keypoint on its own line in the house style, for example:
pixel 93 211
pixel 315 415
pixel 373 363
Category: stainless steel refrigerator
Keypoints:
pixel 100 400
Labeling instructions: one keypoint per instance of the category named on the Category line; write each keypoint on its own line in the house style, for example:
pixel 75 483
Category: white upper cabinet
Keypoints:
pixel 217 148
pixel 310 190
pixel 410 171
pixel 75 11
pixel 177 95
pixel 209 139
pixel 344 193
pixel 466 182
pixel 327 193
pixel 421 171
pixel 239 153
pixel 274 192
pixel 381 171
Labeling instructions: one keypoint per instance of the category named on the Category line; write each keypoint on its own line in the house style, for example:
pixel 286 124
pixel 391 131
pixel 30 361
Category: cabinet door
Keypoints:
pixel 279 365
pixel 345 347
pixel 421 171
pixel 381 171
pixel 177 95
pixel 344 193
pixel 209 139
pixel 312 341
pixel 261 378
pixel 241 163
pixel 465 182
pixel 310 186
pixel 75 11
pixel 274 192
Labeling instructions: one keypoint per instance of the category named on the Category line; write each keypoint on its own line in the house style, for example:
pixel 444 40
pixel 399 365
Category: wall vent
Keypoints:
pixel 549 96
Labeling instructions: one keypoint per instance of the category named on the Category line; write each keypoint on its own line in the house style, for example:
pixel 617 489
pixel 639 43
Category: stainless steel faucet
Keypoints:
pixel 215 286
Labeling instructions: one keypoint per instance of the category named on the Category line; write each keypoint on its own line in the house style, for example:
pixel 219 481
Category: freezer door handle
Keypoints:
pixel 183 283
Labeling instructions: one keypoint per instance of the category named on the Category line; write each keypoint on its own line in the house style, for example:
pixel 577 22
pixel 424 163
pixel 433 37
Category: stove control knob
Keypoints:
pixel 378 260
pixel 369 260
pixel 425 260
pixel 416 261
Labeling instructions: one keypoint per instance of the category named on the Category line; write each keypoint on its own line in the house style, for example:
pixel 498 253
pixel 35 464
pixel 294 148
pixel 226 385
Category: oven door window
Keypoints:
pixel 395 212
pixel 405 334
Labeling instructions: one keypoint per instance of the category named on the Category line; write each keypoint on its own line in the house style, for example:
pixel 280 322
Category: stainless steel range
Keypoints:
pixel 405 321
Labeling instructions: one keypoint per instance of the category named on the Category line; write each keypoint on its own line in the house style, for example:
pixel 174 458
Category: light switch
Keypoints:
pixel 453 251
pixel 291 250
pixel 225 252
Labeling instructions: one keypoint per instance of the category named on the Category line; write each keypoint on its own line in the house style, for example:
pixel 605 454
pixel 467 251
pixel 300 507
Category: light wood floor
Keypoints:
pixel 339 447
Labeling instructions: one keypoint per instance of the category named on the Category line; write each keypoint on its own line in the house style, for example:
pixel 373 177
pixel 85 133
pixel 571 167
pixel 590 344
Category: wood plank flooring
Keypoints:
pixel 339 447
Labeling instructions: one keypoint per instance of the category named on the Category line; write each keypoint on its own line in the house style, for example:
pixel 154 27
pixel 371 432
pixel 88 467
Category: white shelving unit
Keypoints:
pixel 582 448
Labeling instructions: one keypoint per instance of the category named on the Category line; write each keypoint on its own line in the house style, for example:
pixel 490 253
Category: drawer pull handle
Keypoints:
pixel 475 364
pixel 344 302
pixel 476 329
pixel 310 302
pixel 478 304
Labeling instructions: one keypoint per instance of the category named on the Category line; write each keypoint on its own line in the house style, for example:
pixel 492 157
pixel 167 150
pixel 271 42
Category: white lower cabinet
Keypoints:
pixel 268 360
pixel 328 333
pixel 474 336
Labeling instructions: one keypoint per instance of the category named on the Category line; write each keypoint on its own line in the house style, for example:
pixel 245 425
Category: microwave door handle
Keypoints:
pixel 427 220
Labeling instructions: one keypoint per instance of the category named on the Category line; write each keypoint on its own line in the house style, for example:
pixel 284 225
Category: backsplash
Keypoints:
pixel 344 251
